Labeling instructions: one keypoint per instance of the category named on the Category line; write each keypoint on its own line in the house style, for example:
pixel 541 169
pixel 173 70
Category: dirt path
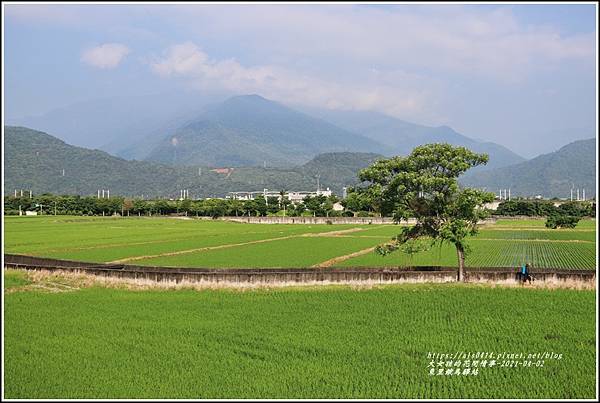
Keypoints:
pixel 332 233
pixel 182 252
pixel 232 245
pixel 338 259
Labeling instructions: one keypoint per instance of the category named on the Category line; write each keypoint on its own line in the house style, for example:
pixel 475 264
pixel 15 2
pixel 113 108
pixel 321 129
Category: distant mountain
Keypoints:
pixel 338 170
pixel 549 175
pixel 250 130
pixel 35 161
pixel 114 124
pixel 401 137
pixel 532 144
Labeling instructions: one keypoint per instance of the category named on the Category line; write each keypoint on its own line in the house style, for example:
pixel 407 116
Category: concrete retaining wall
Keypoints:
pixel 296 275
pixel 313 220
pixel 325 220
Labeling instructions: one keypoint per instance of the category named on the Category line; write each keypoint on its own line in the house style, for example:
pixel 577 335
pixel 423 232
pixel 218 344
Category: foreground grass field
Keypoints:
pixel 327 342
pixel 219 244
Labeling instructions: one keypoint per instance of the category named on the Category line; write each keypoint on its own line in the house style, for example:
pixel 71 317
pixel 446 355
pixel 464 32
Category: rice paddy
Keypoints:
pixel 320 342
pixel 221 244
pixel 69 338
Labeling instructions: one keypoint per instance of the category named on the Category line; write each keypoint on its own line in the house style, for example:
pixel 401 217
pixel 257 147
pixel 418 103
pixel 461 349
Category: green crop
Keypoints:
pixel 191 243
pixel 328 342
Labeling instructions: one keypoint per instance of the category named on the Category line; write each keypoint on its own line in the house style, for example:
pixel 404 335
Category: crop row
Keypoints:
pixel 326 343
pixel 493 253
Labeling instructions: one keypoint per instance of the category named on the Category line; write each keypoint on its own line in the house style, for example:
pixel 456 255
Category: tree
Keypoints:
pixel 272 204
pixel 127 205
pixel 424 186
pixel 559 220
pixel 315 204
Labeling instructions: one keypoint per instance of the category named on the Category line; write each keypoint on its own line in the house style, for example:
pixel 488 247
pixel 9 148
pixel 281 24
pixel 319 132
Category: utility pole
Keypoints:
pixel 30 195
pixel 508 194
pixel 583 194
pixel 54 207
pixel 577 194
pixel 108 194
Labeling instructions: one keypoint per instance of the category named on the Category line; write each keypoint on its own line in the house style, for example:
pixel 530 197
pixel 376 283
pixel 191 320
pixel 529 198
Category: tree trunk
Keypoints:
pixel 461 263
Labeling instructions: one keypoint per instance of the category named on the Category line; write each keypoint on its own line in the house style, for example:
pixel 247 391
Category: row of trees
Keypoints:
pixel 77 205
pixel 546 208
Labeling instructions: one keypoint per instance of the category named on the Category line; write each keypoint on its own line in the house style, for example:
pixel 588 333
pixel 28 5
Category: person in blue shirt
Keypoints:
pixel 525 274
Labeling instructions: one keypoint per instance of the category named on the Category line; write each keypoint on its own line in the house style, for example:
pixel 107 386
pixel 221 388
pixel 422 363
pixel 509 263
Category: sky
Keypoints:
pixel 520 75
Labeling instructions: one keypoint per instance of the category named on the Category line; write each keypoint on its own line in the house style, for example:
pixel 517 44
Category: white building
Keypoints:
pixel 293 196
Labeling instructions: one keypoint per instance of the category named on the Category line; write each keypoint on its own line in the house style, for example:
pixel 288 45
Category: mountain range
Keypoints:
pixel 251 131
pixel 400 137
pixel 111 124
pixel 246 130
pixel 548 175
pixel 35 161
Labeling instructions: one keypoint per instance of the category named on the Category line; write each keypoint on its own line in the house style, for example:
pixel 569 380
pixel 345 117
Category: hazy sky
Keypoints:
pixel 514 74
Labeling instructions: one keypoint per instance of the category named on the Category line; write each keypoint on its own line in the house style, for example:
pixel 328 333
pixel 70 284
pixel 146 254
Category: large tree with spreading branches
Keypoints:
pixel 424 186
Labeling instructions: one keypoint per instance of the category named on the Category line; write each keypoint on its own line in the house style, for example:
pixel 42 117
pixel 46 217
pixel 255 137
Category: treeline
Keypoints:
pixel 360 204
pixel 546 208
pixel 49 204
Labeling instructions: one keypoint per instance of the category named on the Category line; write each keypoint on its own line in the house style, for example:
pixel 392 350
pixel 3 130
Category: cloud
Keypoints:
pixel 490 43
pixel 107 56
pixel 397 92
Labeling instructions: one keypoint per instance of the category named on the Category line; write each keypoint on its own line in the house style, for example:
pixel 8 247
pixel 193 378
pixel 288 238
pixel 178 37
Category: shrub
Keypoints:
pixel 562 221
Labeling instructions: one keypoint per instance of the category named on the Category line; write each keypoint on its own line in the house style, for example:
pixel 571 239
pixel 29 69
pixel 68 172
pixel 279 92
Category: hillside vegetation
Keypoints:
pixel 251 131
pixel 553 174
pixel 35 161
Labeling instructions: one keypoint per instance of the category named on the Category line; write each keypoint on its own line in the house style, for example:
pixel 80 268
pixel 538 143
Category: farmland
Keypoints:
pixel 325 342
pixel 220 244
pixel 299 342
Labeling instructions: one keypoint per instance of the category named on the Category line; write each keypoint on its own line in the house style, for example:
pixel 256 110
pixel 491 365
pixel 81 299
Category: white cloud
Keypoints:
pixel 490 43
pixel 396 92
pixel 107 56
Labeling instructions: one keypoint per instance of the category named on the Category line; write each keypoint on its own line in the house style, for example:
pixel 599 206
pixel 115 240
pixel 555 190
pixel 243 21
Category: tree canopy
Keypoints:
pixel 424 186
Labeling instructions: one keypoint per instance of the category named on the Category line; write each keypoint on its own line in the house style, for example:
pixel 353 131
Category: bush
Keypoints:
pixel 562 221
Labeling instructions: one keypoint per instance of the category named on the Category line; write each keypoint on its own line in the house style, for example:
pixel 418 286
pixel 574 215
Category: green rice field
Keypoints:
pixel 221 244
pixel 300 342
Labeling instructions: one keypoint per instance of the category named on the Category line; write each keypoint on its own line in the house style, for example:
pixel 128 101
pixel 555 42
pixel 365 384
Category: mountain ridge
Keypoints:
pixel 35 161
pixel 551 174
pixel 250 130
pixel 402 136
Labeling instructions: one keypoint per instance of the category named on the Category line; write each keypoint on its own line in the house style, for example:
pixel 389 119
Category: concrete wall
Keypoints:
pixel 313 220
pixel 299 275
pixel 326 220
